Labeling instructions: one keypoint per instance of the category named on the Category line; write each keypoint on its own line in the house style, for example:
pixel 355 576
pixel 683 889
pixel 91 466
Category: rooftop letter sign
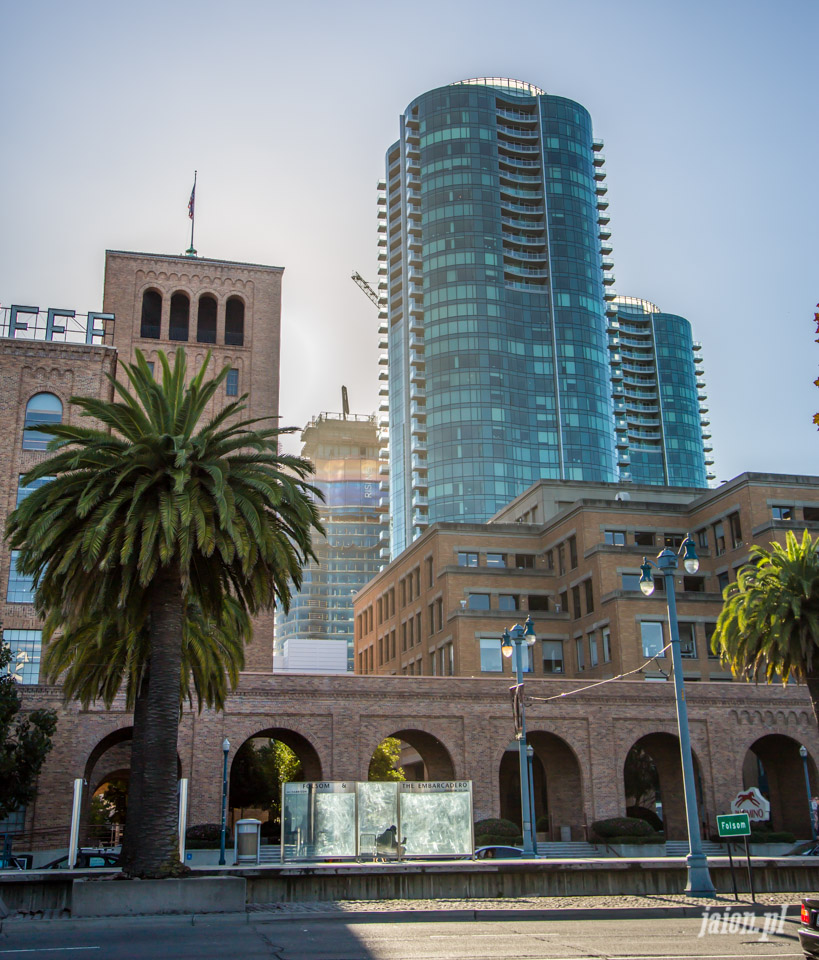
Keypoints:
pixel 54 324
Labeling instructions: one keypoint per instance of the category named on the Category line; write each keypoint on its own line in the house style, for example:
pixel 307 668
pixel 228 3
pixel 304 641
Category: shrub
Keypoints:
pixel 204 831
pixel 542 824
pixel 643 813
pixel 621 827
pixel 771 836
pixel 497 827
pixel 491 839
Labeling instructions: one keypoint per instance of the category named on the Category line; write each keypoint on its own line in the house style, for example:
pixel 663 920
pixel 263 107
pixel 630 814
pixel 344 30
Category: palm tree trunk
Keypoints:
pixel 135 809
pixel 153 852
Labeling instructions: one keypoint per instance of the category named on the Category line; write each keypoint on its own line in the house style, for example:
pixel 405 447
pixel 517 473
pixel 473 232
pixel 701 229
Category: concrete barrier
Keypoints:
pixel 128 898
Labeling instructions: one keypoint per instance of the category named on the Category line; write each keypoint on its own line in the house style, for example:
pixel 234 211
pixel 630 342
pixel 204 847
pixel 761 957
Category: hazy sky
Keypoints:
pixel 708 111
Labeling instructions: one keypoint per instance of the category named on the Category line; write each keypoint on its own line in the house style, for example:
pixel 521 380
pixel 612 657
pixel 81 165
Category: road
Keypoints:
pixel 255 939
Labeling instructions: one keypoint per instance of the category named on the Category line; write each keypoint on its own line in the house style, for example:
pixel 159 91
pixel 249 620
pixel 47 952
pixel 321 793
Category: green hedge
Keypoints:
pixel 621 827
pixel 499 839
pixel 771 836
pixel 497 827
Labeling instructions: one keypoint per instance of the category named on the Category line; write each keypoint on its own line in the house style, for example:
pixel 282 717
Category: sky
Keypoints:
pixel 708 111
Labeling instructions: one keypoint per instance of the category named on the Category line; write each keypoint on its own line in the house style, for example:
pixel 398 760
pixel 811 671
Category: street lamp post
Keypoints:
pixel 225 749
pixel 699 879
pixel 515 640
pixel 803 753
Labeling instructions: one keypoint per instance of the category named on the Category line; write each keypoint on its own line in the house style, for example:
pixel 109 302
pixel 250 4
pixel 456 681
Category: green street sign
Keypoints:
pixel 734 825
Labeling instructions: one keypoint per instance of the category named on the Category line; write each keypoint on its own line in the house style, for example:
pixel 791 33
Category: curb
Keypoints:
pixel 569 913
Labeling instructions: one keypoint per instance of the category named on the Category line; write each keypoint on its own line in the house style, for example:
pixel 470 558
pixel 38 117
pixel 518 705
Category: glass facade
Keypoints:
pixel 344 452
pixel 497 346
pixel 498 316
pixel 660 420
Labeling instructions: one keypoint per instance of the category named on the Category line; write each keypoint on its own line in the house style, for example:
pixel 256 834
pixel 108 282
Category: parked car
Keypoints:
pixel 498 852
pixel 808 848
pixel 808 933
pixel 85 859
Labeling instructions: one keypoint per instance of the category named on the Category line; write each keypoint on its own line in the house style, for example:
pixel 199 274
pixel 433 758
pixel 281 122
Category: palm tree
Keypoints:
pixel 150 510
pixel 769 624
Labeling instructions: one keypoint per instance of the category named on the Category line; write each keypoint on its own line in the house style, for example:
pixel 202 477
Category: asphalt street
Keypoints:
pixel 250 938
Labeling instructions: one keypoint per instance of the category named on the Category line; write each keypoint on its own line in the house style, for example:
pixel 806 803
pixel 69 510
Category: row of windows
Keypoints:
pixel 180 308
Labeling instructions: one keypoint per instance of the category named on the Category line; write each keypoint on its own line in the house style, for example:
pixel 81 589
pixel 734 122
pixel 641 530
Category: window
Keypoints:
pixel 564 602
pixel 694 584
pixel 491 656
pixel 404 636
pixel 723 579
pixel 538 603
pixel 42 409
pixel 561 559
pixel 496 559
pixel 606 646
pixel 550 559
pixel 781 512
pixel 688 641
pixel 644 539
pixel 673 541
pixel 652 637
pixel 719 538
pixel 206 319
pixel 593 656
pixel 431 618
pixel 430 576
pixel 552 656
pixel 524 561
pixel 710 629
pixel 232 383
pixel 467 559
pixel 736 530
pixel 150 365
pixel 21 586
pixel 507 601
pixel 234 322
pixel 478 601
pixel 702 538
pixel 527 656
pixel 576 612
pixel 151 323
pixel 180 314
pixel 579 653
pixel 572 552
pixel 23 490
pixel 810 514
pixel 25 647
pixel 589 595
pixel 439 609
pixel 615 538
pixel 417 627
pixel 630 581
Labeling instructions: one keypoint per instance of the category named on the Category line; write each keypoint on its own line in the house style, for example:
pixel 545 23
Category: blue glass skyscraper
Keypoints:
pixel 492 229
pixel 660 417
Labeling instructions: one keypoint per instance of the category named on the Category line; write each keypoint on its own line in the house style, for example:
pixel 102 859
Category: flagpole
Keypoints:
pixel 191 252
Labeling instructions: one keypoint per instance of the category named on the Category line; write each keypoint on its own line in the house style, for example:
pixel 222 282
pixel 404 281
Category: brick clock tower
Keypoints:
pixel 232 310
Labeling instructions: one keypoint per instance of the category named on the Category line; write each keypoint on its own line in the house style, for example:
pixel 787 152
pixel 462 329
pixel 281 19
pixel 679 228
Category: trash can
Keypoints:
pixel 247 838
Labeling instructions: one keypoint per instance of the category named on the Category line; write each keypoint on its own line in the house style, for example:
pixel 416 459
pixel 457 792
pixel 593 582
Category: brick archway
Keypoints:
pixel 311 768
pixel 773 764
pixel 429 759
pixel 664 750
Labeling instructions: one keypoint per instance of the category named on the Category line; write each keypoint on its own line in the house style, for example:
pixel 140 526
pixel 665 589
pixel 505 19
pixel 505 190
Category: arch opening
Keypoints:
pixel 235 322
pixel 180 316
pixel 41 410
pixel 150 326
pixel 773 765
pixel 418 755
pixel 206 319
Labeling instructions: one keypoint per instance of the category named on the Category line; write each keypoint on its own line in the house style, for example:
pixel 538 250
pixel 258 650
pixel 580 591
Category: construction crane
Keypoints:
pixel 368 290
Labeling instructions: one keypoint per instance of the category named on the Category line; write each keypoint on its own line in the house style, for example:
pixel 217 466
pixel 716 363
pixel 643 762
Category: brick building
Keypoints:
pixel 569 555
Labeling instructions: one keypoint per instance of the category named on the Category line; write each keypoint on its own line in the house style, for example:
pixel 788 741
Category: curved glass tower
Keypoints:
pixel 660 418
pixel 492 232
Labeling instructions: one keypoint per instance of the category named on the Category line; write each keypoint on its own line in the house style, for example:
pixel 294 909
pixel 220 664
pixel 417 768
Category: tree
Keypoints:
pixel 24 741
pixel 769 625
pixel 151 509
pixel 383 763
pixel 258 772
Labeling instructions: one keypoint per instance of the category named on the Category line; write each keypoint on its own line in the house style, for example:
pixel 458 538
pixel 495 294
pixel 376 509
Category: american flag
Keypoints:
pixel 192 201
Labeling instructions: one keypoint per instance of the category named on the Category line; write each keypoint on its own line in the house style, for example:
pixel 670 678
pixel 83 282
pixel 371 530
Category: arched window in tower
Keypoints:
pixel 42 408
pixel 206 319
pixel 235 322
pixel 151 314
pixel 180 313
